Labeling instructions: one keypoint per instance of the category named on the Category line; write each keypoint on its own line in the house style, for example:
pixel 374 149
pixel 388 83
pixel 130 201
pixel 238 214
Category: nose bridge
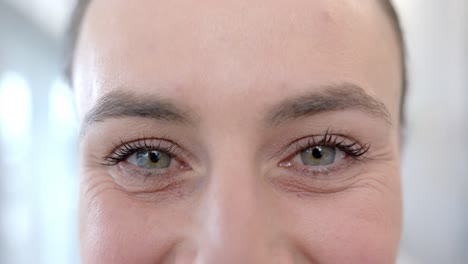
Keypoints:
pixel 231 213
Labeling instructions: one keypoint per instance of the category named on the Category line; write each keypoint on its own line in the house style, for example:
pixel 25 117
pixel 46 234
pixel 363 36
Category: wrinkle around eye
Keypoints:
pixel 330 182
pixel 94 184
pixel 370 178
pixel 99 184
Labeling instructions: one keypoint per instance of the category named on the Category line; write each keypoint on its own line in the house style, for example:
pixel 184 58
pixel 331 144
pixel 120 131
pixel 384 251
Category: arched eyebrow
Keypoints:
pixel 330 98
pixel 126 104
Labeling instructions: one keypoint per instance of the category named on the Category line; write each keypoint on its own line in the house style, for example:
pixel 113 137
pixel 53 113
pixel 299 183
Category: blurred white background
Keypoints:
pixel 38 134
pixel 435 155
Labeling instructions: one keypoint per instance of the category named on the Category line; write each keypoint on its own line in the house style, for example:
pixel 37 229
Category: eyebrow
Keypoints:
pixel 125 104
pixel 346 96
pixel 331 98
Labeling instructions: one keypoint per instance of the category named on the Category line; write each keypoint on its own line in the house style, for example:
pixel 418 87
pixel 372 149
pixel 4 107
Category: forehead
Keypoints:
pixel 233 50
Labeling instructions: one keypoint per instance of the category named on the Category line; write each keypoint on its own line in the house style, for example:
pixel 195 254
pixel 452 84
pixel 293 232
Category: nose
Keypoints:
pixel 235 224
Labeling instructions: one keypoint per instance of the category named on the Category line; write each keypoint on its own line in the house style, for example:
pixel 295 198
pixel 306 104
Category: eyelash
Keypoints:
pixel 124 150
pixel 353 149
pixel 350 147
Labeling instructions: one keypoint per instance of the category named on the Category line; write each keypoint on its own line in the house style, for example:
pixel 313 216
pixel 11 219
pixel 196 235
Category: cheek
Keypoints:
pixel 117 228
pixel 358 226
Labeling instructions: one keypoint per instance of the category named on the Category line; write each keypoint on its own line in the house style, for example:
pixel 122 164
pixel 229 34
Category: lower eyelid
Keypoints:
pixel 173 168
pixel 319 172
pixel 133 178
pixel 302 182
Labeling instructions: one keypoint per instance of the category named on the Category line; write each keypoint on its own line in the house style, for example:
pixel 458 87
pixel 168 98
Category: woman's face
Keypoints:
pixel 239 132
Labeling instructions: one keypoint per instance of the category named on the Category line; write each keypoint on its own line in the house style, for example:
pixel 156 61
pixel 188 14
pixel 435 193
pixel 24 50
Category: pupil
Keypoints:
pixel 154 156
pixel 317 152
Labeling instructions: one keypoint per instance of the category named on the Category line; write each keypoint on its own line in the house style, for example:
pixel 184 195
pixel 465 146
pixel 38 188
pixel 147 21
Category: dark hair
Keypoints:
pixel 81 7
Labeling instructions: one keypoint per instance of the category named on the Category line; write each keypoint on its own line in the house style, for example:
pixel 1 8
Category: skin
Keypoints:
pixel 228 67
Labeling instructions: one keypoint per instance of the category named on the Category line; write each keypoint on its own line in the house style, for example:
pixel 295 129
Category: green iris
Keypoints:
pixel 318 155
pixel 153 159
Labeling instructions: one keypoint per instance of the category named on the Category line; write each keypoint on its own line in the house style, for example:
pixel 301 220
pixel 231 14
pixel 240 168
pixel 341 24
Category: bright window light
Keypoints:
pixel 62 116
pixel 15 111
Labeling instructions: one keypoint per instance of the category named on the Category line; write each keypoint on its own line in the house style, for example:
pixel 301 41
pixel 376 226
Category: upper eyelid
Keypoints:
pixel 133 146
pixel 334 139
pixel 138 144
pixel 304 142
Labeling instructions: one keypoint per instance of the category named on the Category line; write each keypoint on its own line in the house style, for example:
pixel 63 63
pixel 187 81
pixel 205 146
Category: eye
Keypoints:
pixel 149 166
pixel 147 154
pixel 323 154
pixel 318 155
pixel 150 159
